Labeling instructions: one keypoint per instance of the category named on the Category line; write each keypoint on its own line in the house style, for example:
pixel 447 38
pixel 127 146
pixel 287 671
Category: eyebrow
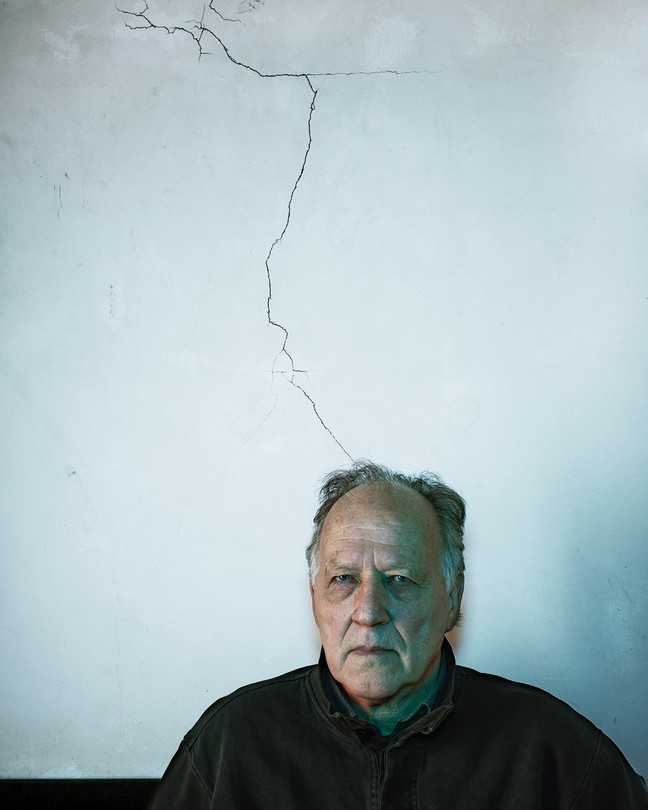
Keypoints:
pixel 336 564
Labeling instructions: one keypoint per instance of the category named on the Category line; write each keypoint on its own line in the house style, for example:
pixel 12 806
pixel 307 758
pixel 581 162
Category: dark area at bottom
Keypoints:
pixel 76 794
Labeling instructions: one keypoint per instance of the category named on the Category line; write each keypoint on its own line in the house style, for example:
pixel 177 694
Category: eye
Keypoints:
pixel 342 578
pixel 401 579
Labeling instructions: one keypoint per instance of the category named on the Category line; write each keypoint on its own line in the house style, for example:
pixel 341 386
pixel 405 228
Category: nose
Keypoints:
pixel 370 603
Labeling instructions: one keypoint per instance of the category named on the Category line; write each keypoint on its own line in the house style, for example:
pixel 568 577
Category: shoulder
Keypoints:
pixel 542 740
pixel 273 697
pixel 501 693
pixel 520 707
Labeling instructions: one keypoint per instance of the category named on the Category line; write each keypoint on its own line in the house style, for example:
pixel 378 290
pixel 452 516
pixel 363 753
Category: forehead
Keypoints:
pixel 393 519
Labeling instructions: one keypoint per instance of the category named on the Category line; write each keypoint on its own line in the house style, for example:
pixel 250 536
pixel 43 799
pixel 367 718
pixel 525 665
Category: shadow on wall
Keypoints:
pixel 578 627
pixel 606 607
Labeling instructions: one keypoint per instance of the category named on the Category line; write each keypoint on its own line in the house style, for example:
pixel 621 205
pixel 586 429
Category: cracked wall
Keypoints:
pixel 404 232
pixel 204 33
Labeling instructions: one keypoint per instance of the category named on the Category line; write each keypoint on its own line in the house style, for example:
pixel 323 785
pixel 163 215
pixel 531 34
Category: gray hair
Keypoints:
pixel 449 508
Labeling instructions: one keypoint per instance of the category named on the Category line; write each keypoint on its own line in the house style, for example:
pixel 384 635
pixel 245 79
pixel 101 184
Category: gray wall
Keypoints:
pixel 463 283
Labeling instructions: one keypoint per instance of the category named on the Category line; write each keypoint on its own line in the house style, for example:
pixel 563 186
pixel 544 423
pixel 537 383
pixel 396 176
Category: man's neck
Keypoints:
pixel 386 716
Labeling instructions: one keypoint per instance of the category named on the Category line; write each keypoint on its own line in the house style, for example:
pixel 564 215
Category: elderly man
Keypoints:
pixel 386 719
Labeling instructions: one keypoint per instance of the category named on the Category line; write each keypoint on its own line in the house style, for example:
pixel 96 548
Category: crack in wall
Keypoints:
pixel 197 31
pixel 218 14
pixel 272 322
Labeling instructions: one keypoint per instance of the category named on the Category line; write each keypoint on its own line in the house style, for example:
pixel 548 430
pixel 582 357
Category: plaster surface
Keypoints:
pixel 244 243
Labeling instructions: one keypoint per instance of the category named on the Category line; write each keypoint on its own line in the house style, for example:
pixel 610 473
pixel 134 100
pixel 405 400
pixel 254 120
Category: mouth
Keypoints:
pixel 370 650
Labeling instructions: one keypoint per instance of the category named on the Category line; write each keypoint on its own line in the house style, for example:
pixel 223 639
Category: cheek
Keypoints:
pixel 423 622
pixel 328 617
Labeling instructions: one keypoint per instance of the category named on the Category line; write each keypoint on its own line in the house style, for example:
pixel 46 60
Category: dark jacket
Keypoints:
pixel 488 743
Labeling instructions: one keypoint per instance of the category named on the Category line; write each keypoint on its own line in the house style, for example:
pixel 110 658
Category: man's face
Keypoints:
pixel 379 598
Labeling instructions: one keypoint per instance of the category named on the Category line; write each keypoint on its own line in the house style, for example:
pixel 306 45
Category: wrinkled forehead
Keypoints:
pixel 390 516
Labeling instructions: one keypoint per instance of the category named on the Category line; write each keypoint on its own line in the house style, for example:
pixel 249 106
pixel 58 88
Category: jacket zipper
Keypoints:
pixel 381 761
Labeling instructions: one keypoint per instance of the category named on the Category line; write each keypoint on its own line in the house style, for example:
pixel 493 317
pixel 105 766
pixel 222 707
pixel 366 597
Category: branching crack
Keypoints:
pixel 197 30
pixel 218 14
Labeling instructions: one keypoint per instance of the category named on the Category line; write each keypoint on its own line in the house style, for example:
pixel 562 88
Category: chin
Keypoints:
pixel 374 689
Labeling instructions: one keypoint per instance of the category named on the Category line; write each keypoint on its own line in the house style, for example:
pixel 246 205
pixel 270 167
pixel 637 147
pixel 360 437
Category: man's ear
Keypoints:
pixel 454 597
pixel 312 595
